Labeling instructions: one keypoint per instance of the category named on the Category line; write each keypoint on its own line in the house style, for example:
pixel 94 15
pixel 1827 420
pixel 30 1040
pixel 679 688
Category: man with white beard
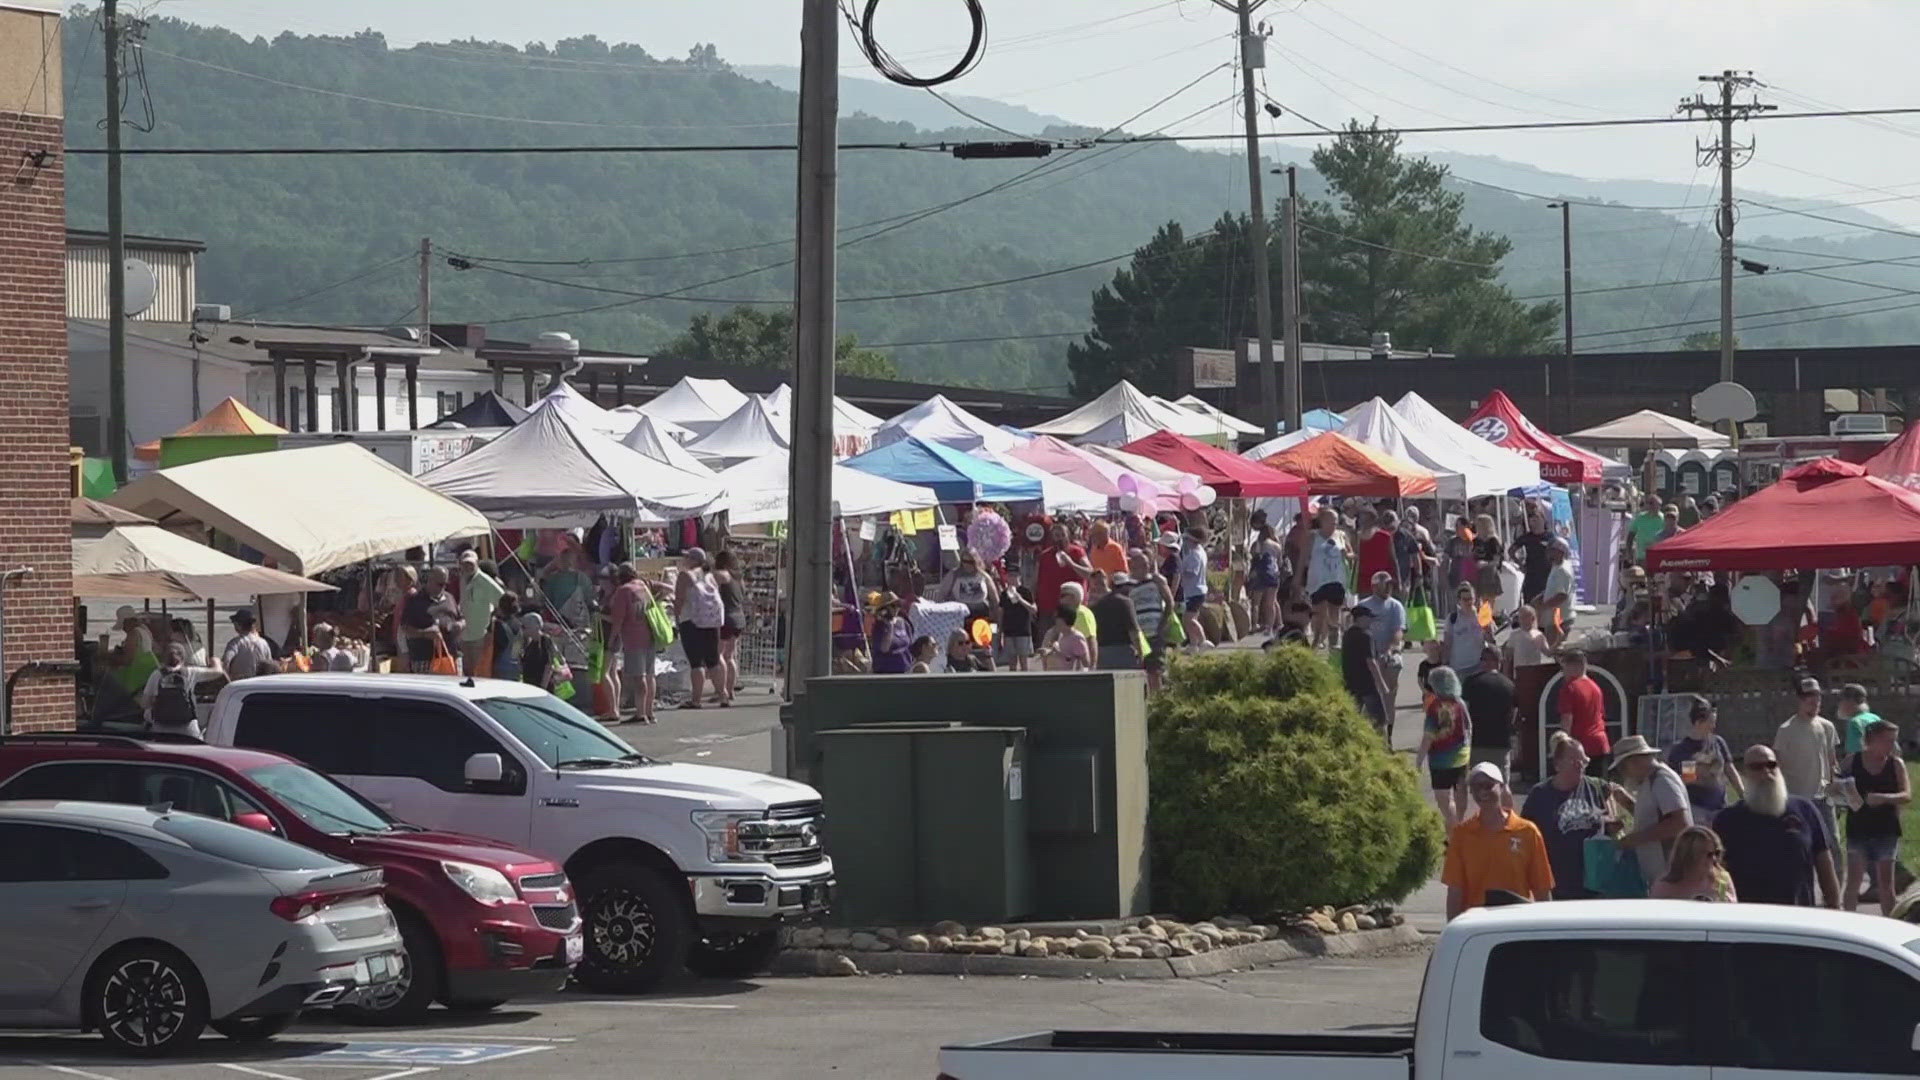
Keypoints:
pixel 1776 842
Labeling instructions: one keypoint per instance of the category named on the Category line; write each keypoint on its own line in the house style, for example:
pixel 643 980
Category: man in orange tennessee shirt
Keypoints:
pixel 1494 849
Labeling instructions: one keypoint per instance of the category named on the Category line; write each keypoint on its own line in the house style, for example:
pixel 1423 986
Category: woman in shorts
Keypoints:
pixel 1444 745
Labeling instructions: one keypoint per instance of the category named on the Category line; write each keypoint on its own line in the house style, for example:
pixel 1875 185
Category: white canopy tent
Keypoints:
pixel 849 420
pixel 663 427
pixel 1648 428
pixel 1160 473
pixel 650 437
pixel 549 473
pixel 1281 442
pixel 1226 420
pixel 757 492
pixel 309 509
pixel 748 433
pixel 583 411
pixel 1123 398
pixel 148 561
pixel 1057 493
pixel 1375 423
pixel 1118 430
pixel 691 402
pixel 1520 472
pixel 939 420
pixel 777 400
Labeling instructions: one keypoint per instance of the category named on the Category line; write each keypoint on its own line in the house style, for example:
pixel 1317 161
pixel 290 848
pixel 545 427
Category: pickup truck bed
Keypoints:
pixel 1060 1055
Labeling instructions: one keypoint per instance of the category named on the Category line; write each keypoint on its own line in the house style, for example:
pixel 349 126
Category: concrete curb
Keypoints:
pixel 1359 944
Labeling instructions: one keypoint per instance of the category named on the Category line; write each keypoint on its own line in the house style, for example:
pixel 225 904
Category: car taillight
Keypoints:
pixel 298 906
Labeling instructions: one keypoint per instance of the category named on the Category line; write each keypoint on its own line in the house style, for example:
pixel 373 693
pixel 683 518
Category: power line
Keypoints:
pixel 359 275
pixel 1835 220
pixel 1905 306
pixel 1400 251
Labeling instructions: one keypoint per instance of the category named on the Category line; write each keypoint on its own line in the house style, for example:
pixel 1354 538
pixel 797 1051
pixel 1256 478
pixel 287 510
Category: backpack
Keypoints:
pixel 173 700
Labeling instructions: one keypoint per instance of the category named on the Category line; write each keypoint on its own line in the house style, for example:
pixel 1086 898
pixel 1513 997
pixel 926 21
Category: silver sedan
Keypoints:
pixel 150 925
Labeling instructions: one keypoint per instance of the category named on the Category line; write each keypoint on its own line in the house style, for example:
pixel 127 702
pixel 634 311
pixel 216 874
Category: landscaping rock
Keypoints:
pixel 992 933
pixel 915 943
pixel 1160 950
pixel 939 943
pixel 1364 921
pixel 865 942
pixel 1266 932
pixel 1127 952
pixel 1060 946
pixel 1020 937
pixel 1008 948
pixel 1348 923
pixel 1324 923
pixel 808 937
pixel 1232 922
pixel 1155 931
pixel 837 939
pixel 949 929
pixel 1089 949
pixel 1034 951
pixel 843 965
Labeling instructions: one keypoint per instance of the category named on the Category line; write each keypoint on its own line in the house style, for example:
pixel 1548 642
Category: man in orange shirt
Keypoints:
pixel 1494 849
pixel 1103 552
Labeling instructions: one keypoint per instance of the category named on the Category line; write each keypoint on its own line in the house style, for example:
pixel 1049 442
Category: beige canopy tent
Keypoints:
pixel 309 509
pixel 1646 429
pixel 149 562
pixel 92 518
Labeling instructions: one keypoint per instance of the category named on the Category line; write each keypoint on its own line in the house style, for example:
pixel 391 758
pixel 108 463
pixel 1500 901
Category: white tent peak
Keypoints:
pixel 757 491
pixel 1519 470
pixel 581 409
pixel 651 437
pixel 939 420
pixel 696 401
pixel 1195 403
pixel 748 432
pixel 1125 398
pixel 848 418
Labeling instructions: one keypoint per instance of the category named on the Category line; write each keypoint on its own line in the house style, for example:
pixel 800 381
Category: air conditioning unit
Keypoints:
pixel 1860 424
pixel 557 341
pixel 212 313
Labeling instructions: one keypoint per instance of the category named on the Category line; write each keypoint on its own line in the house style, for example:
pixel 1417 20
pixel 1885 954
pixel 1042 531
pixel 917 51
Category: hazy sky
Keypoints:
pixel 1410 62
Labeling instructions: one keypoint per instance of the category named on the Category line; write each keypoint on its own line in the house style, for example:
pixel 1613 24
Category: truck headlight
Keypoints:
pixel 483 883
pixel 726 830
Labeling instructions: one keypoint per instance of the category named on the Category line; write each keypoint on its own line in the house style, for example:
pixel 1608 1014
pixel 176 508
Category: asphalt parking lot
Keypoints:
pixel 871 1026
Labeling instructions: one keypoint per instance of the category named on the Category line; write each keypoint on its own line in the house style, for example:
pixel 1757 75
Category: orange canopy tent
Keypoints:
pixel 230 417
pixel 1333 464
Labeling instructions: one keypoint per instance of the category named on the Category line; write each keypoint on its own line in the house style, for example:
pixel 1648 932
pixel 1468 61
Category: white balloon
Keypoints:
pixel 1129 502
pixel 1128 484
pixel 1190 501
pixel 1206 495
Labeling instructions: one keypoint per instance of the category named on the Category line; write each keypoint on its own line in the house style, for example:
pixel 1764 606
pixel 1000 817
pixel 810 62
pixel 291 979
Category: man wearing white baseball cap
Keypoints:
pixel 1495 849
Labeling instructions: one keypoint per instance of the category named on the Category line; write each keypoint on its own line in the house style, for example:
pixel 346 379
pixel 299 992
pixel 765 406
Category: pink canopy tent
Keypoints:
pixel 1103 475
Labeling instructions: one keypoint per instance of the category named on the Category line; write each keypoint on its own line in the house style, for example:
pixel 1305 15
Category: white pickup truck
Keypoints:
pixel 1581 990
pixel 675 865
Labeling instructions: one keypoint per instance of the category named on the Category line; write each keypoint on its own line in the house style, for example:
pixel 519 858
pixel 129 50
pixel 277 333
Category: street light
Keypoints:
pixel 1566 303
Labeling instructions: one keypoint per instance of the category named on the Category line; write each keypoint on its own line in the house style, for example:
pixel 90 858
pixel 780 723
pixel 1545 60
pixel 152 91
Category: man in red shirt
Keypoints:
pixel 1583 712
pixel 1059 562
pixel 1373 549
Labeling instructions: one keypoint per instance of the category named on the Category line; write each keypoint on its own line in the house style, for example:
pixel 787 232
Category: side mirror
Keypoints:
pixel 257 821
pixel 484 769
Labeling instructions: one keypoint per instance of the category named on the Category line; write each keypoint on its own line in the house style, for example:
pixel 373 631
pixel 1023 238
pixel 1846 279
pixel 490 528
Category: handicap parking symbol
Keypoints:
pixel 384 1053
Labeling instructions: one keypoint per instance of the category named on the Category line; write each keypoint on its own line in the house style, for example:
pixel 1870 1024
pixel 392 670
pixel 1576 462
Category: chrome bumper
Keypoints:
pixel 761 896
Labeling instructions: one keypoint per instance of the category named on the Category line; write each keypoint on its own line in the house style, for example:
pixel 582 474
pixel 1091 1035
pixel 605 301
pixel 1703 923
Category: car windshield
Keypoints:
pixel 236 843
pixel 319 800
pixel 559 734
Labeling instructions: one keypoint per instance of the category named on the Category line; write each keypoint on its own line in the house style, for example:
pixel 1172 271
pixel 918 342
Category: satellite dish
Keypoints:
pixel 141 287
pixel 1724 401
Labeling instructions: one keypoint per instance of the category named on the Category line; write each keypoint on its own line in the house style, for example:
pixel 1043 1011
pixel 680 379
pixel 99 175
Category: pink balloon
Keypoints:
pixel 1128 484
pixel 1190 501
pixel 1188 483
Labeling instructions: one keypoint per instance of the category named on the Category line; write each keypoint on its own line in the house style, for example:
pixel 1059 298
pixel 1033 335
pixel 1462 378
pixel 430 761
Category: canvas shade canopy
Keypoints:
pixel 1224 419
pixel 953 476
pixel 748 433
pixel 1057 493
pixel 230 417
pixel 1120 430
pixel 486 410
pixel 848 418
pixel 549 472
pixel 1375 424
pixel 1090 470
pixel 1518 472
pixel 1499 421
pixel 1647 428
pixel 778 399
pixel 149 562
pixel 1322 419
pixel 92 518
pixel 758 492
pixel 1898 462
pixel 1234 477
pixel 309 509
pixel 1822 515
pixel 1280 442
pixel 583 411
pixel 696 401
pixel 1159 472
pixel 1123 398
pixel 1333 464
pixel 650 438
pixel 938 419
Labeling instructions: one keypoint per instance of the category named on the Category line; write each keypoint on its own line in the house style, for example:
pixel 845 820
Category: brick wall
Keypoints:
pixel 34 477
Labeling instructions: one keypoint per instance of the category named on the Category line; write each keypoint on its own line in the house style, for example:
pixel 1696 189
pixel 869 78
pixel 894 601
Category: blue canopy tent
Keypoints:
pixel 954 476
pixel 1322 420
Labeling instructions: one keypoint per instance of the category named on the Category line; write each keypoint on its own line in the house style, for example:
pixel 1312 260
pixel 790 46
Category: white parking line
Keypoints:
pixel 402 1072
pixel 251 1071
pixel 71 1071
pixel 660 1004
pixel 442 1037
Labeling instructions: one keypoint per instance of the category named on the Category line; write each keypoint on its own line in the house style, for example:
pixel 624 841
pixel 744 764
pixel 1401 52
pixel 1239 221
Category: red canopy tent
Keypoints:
pixel 1234 477
pixel 1333 464
pixel 1826 513
pixel 1898 462
pixel 1499 421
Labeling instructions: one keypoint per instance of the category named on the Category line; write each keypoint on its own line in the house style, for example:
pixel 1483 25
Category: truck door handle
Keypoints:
pixel 90 905
pixel 1466 1053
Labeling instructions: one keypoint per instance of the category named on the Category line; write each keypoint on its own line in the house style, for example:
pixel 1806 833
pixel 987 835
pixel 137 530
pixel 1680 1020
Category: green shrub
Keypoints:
pixel 1264 801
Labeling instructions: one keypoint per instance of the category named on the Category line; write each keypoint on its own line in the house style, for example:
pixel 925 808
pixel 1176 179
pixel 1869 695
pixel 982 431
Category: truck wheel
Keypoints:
pixel 638 928
pixel 147 1000
pixel 733 956
pixel 404 1000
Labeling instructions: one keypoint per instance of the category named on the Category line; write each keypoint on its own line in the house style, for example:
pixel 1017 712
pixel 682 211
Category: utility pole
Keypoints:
pixel 1563 388
pixel 1253 54
pixel 426 292
pixel 810 480
pixel 116 253
pixel 1291 395
pixel 1729 155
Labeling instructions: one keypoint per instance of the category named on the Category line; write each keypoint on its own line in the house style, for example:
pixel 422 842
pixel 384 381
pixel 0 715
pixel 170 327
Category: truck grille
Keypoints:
pixel 798 858
pixel 785 811
pixel 798 823
pixel 543 881
pixel 555 916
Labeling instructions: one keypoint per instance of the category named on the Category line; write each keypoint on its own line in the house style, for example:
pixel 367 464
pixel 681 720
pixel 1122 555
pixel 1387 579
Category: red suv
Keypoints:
pixel 482 923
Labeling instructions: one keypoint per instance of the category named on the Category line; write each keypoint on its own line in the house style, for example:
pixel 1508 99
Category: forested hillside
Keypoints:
pixel 717 226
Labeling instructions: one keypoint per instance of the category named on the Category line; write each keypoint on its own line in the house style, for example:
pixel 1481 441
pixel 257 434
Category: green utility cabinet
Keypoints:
pixel 926 822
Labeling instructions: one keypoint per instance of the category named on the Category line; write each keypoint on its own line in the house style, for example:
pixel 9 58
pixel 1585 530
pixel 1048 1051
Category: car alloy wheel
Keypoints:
pixel 143 1003
pixel 623 929
pixel 384 996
